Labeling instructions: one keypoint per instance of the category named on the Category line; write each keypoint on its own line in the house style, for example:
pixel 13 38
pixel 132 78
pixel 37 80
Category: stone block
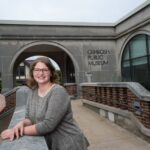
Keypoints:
pixel 111 116
pixel 103 113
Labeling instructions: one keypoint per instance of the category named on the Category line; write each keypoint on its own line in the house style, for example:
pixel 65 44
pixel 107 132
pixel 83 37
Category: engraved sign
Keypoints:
pixel 97 57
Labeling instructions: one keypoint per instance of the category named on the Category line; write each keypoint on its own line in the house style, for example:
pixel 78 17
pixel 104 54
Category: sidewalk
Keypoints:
pixel 103 134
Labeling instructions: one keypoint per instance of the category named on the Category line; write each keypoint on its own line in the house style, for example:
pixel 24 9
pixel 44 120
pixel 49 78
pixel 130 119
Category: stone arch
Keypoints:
pixel 43 42
pixel 129 37
pixel 48 43
pixel 135 59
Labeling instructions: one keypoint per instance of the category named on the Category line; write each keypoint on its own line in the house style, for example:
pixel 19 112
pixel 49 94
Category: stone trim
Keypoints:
pixel 120 112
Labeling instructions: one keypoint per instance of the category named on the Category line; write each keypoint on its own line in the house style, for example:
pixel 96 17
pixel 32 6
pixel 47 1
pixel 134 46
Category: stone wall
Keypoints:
pixel 10 98
pixel 123 97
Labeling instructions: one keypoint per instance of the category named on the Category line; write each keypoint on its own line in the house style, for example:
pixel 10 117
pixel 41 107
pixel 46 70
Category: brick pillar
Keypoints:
pixel 123 98
pixel 103 95
pixel 109 96
pixel 115 97
pixel 145 116
pixel 131 98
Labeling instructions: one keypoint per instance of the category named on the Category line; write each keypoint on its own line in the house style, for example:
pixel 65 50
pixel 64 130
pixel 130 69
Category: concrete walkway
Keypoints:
pixel 103 134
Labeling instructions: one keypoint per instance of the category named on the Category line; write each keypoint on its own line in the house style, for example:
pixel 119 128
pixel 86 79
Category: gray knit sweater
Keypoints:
pixel 52 115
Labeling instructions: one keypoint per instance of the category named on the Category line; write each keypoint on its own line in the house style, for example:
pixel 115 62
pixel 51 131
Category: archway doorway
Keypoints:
pixel 55 53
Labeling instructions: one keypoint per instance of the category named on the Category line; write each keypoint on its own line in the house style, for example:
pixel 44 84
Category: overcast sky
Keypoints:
pixel 99 11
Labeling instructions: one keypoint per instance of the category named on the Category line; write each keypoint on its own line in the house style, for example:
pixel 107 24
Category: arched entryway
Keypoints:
pixel 52 50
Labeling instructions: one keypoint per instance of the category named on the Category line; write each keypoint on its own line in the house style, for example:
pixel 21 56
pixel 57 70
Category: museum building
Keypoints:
pixel 85 52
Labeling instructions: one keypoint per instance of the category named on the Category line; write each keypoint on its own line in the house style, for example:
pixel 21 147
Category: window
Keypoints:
pixel 20 72
pixel 136 60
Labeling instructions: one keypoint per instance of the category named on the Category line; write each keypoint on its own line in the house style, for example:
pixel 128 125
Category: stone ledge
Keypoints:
pixel 67 84
pixel 124 113
pixel 25 142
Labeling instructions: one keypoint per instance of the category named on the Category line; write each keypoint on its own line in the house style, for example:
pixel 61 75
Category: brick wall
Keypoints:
pixel 10 101
pixel 119 97
pixel 71 89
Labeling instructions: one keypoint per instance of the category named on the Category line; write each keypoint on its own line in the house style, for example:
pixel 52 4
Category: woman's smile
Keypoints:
pixel 41 73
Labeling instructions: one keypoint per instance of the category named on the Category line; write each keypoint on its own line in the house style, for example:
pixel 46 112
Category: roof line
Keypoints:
pixel 143 5
pixel 59 23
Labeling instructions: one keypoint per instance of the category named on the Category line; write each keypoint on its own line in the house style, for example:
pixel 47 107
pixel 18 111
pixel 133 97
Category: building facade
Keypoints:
pixel 85 52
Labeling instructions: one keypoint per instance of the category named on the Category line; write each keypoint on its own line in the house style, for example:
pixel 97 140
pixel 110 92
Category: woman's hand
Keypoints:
pixel 8 134
pixel 18 129
pixel 15 132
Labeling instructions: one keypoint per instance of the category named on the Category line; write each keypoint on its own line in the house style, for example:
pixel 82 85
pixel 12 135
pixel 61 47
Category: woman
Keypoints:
pixel 48 111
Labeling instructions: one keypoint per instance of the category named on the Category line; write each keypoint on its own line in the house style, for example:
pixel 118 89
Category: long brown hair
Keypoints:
pixel 31 81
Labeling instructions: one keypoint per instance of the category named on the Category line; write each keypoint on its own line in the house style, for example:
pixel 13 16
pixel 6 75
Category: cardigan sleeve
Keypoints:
pixel 27 104
pixel 57 107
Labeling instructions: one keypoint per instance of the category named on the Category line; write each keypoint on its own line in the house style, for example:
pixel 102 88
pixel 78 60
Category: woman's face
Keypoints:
pixel 41 73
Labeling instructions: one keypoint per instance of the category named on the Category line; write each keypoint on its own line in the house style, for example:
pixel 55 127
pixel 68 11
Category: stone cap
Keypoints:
pixel 67 84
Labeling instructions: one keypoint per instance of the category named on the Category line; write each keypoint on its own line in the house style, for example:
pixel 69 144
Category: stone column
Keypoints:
pixel 6 73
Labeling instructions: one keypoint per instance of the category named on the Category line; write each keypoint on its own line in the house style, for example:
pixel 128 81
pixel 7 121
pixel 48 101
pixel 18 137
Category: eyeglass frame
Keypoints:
pixel 43 70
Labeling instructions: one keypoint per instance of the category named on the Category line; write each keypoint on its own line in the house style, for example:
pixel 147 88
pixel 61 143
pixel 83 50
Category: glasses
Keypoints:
pixel 38 70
